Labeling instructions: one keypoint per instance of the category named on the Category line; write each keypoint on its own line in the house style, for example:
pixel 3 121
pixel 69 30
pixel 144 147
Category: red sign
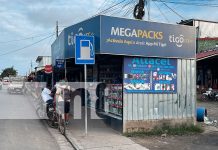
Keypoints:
pixel 48 69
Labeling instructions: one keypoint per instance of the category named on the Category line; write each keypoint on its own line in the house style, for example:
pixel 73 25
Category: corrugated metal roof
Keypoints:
pixel 207 54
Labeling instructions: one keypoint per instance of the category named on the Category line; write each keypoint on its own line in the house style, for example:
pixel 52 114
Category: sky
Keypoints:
pixel 25 22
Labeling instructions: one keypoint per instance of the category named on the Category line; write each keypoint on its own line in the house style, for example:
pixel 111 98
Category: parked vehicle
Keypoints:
pixel 210 94
pixel 5 81
pixel 0 85
pixel 15 85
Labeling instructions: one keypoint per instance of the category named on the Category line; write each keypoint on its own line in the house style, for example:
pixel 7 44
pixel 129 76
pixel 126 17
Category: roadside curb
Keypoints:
pixel 63 142
pixel 74 142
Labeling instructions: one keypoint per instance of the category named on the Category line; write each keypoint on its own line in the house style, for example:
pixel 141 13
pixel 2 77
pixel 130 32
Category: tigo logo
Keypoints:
pixel 179 40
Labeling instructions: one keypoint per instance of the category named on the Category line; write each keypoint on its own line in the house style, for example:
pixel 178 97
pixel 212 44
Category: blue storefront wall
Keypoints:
pixel 90 27
pixel 119 36
pixel 57 48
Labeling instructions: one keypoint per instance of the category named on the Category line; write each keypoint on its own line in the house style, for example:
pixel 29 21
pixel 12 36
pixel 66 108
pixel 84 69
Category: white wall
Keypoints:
pixel 207 29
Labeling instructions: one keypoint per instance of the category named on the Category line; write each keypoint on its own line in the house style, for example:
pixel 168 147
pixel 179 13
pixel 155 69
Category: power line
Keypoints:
pixel 185 3
pixel 48 44
pixel 26 38
pixel 173 11
pixel 103 11
pixel 16 50
pixel 161 12
pixel 124 7
pixel 129 11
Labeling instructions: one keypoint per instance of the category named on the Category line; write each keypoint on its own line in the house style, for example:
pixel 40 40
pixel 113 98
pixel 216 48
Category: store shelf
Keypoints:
pixel 116 106
pixel 111 115
pixel 114 100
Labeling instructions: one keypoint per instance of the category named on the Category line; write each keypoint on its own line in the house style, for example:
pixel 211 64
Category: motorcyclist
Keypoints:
pixel 46 96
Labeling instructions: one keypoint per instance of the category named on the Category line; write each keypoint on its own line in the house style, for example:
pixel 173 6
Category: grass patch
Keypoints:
pixel 169 130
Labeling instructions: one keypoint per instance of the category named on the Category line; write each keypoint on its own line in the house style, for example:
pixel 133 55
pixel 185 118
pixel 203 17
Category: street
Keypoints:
pixel 19 127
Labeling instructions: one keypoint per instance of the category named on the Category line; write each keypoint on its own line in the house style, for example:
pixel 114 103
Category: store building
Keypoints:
pixel 207 50
pixel 148 70
pixel 40 74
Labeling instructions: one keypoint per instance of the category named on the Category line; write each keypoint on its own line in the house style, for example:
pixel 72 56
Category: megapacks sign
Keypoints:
pixel 150 75
pixel 120 36
pixel 150 39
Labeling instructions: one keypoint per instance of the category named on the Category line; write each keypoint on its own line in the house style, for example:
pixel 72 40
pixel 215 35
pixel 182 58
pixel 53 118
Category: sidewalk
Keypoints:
pixel 100 137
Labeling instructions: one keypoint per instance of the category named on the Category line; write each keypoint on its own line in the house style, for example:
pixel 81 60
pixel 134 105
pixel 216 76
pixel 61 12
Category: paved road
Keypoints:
pixel 19 127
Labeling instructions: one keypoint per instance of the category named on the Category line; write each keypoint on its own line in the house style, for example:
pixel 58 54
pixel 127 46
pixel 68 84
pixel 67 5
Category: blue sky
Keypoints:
pixel 24 22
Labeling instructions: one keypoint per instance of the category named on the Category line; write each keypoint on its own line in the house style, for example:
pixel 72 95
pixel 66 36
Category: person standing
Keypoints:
pixel 63 93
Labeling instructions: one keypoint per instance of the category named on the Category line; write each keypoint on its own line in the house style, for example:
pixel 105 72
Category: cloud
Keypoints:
pixel 23 18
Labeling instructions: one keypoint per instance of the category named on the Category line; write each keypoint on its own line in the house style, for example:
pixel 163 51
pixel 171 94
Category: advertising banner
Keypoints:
pixel 150 75
pixel 150 39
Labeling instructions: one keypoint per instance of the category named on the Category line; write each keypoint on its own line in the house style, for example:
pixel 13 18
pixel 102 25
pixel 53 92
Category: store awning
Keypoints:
pixel 207 54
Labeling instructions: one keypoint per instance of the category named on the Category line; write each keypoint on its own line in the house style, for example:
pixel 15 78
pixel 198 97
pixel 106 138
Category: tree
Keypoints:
pixel 8 72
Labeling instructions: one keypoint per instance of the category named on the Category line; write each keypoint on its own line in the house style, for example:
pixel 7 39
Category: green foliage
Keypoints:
pixel 8 72
pixel 176 130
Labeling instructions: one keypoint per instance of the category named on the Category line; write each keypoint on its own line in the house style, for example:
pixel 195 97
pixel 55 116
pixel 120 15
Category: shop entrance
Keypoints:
pixel 207 73
pixel 105 99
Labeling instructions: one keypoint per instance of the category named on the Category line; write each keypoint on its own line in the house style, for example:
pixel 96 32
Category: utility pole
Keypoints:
pixel 31 66
pixel 56 29
pixel 53 68
pixel 148 8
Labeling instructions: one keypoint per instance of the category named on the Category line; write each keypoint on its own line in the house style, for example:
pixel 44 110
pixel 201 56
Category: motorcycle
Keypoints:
pixel 210 94
pixel 45 110
pixel 53 115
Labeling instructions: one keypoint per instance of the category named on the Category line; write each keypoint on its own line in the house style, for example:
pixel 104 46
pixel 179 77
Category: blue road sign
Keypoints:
pixel 60 63
pixel 84 50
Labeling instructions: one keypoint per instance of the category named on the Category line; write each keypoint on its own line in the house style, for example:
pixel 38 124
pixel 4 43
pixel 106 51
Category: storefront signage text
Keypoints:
pixel 150 75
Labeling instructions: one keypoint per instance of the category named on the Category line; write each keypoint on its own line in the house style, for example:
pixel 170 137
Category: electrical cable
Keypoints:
pixel 129 11
pixel 19 49
pixel 161 12
pixel 174 11
pixel 124 7
pixel 110 7
pixel 49 43
pixel 26 38
pixel 185 3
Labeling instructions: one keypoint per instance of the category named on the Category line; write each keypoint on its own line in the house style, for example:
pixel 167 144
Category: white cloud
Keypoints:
pixel 21 18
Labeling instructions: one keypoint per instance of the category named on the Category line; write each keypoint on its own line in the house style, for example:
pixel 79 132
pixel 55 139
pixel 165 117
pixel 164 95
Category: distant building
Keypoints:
pixel 42 61
pixel 207 52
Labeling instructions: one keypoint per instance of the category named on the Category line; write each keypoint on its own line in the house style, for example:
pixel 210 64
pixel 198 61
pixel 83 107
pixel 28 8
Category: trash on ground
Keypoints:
pixel 208 121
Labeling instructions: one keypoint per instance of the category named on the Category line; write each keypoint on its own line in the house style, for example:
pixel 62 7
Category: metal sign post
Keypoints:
pixel 86 119
pixel 65 69
pixel 85 54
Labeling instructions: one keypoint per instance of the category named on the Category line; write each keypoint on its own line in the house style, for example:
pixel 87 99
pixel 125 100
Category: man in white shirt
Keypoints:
pixel 46 96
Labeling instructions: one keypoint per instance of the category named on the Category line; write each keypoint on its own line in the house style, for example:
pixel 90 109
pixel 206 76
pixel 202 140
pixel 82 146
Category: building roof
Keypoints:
pixel 191 20
pixel 207 54
pixel 39 58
